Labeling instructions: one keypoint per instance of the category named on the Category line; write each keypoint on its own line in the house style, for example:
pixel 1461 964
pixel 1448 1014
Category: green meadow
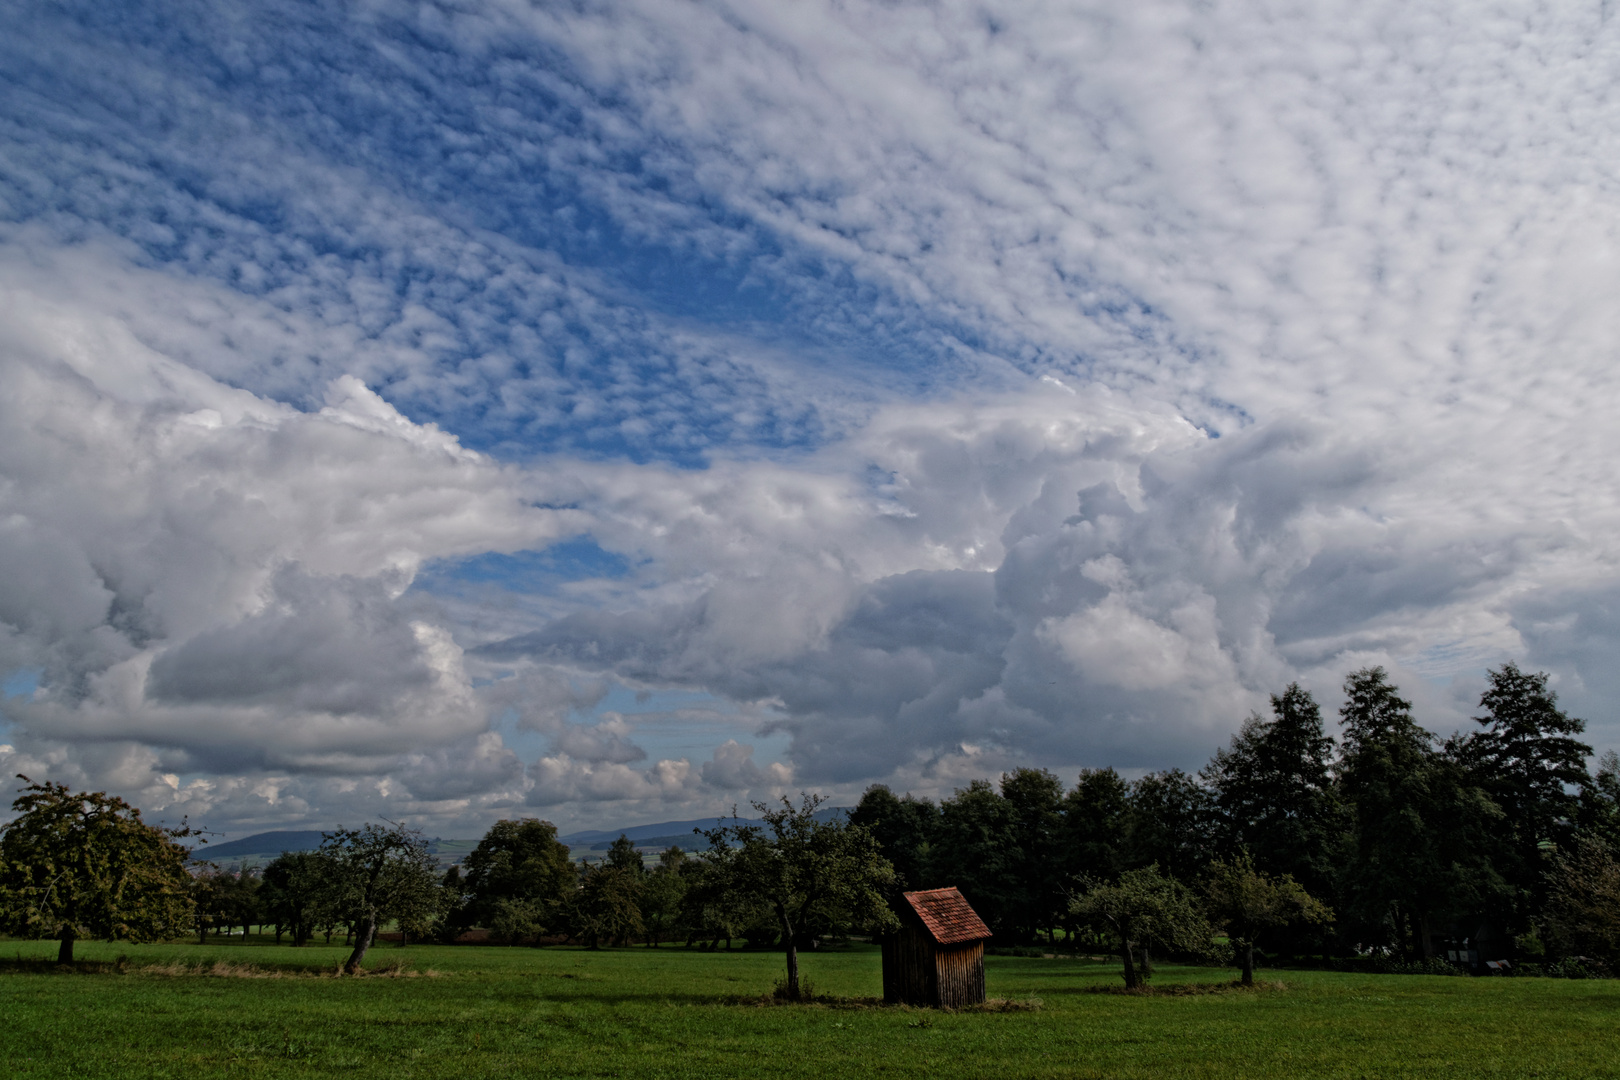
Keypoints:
pixel 257 1010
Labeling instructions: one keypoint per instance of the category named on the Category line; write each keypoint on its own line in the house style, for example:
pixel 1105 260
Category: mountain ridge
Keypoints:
pixel 660 833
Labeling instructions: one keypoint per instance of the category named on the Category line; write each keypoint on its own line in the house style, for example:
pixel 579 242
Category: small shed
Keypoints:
pixel 937 955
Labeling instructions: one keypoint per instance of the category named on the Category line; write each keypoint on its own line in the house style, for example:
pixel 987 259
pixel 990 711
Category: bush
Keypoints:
pixel 1394 965
pixel 784 992
pixel 1579 967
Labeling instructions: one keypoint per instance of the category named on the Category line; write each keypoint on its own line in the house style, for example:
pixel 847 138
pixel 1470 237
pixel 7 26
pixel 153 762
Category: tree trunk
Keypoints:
pixel 1247 952
pixel 362 942
pixel 1428 939
pixel 64 951
pixel 792 954
pixel 1130 965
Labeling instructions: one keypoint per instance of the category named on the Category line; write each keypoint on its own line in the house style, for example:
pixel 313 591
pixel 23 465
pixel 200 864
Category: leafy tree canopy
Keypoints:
pixel 79 864
pixel 813 876
pixel 381 874
pixel 518 862
pixel 1583 905
pixel 1422 830
pixel 607 907
pixel 903 827
pixel 1599 811
pixel 622 855
pixel 1249 903
pixel 298 891
pixel 1143 908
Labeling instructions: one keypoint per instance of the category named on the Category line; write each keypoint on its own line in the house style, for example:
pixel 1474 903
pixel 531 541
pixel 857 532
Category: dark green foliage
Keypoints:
pixel 607 907
pixel 223 900
pixel 297 893
pixel 1144 908
pixel 1598 811
pixel 1094 821
pixel 241 906
pixel 1583 905
pixel 1528 761
pixel 1422 831
pixel 1035 892
pixel 970 850
pixel 1274 796
pixel 84 865
pixel 381 874
pixel 663 896
pixel 1168 818
pixel 718 904
pixel 1249 904
pixel 517 880
pixel 904 828
pixel 622 855
pixel 813 877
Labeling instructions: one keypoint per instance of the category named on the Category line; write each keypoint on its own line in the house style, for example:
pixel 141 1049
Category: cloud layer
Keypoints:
pixel 896 391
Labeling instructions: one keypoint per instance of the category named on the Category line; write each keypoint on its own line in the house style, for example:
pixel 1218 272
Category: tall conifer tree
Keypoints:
pixel 1274 794
pixel 1530 763
pixel 1419 853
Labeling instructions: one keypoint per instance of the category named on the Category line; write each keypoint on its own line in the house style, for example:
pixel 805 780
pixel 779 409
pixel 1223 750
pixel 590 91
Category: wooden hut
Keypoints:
pixel 937 955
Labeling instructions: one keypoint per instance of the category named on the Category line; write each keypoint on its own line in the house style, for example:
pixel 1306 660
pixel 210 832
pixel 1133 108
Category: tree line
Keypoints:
pixel 1496 838
pixel 1496 843
pixel 83 865
pixel 1387 841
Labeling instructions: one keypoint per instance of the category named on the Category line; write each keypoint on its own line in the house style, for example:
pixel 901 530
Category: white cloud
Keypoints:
pixel 219 577
pixel 734 768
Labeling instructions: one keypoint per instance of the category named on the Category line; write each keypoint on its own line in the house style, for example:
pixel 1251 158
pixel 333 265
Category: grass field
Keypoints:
pixel 498 1012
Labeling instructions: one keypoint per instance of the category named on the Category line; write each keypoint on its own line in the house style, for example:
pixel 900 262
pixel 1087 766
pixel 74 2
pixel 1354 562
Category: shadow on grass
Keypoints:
pixel 215 969
pixel 1181 989
pixel 833 1001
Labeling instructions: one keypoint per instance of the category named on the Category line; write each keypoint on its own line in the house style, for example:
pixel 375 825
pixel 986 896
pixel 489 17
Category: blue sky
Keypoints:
pixel 616 412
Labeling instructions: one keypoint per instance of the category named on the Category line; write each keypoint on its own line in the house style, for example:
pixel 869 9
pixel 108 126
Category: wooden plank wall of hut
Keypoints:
pixel 909 972
pixel 960 974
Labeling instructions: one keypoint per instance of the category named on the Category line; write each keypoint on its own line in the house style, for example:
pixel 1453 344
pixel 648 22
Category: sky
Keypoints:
pixel 612 413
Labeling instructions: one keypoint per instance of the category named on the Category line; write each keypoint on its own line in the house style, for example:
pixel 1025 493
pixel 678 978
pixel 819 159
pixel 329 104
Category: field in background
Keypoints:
pixel 670 1012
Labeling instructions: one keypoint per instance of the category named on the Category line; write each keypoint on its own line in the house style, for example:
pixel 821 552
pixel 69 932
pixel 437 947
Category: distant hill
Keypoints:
pixel 274 843
pixel 664 834
pixel 659 834
pixel 265 843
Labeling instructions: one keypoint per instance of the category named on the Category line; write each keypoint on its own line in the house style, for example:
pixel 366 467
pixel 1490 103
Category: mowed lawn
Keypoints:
pixel 670 1012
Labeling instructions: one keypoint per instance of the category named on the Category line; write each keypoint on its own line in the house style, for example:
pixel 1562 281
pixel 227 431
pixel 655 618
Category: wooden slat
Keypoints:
pixel 959 975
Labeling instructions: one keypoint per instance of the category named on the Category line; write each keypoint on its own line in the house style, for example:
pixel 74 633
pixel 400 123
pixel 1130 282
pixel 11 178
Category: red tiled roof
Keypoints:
pixel 946 915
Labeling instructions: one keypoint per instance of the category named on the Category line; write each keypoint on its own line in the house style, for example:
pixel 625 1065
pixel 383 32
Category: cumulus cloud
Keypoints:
pixel 733 768
pixel 1120 596
pixel 220 578
pixel 559 778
